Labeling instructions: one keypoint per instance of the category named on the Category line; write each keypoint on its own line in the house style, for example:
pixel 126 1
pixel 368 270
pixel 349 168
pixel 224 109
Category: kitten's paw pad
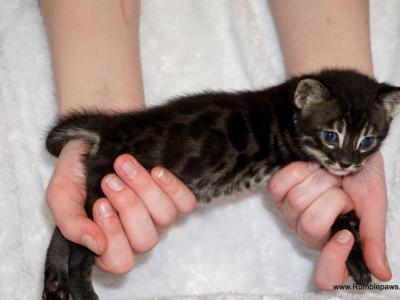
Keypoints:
pixel 58 295
pixel 53 291
pixel 363 279
pixel 55 286
pixel 358 270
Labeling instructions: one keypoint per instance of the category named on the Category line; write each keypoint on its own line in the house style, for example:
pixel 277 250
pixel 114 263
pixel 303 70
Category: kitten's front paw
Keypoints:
pixel 355 262
pixel 358 270
pixel 55 285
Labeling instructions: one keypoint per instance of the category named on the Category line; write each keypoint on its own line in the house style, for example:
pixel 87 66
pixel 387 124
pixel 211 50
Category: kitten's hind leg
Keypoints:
pixel 355 262
pixel 56 283
pixel 80 272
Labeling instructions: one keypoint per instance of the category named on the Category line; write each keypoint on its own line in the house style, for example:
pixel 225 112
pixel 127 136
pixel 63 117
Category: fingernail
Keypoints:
pixel 114 183
pixel 105 210
pixel 343 237
pixel 89 242
pixel 128 168
pixel 162 176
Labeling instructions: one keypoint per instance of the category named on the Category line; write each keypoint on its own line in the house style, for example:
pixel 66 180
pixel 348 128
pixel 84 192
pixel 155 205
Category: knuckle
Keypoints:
pixel 66 228
pixel 330 179
pixel 182 196
pixel 273 187
pixel 310 226
pixel 167 218
pixel 337 194
pixel 125 201
pixel 295 200
pixel 333 180
pixel 296 174
pixel 53 190
pixel 125 267
pixel 147 244
pixel 321 282
pixel 118 267
pixel 188 205
pixel 298 171
pixel 111 225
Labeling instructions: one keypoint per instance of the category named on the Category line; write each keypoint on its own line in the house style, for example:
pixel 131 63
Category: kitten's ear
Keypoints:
pixel 391 102
pixel 309 91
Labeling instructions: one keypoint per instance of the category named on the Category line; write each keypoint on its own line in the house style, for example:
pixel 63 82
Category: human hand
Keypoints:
pixel 367 189
pixel 310 199
pixel 128 220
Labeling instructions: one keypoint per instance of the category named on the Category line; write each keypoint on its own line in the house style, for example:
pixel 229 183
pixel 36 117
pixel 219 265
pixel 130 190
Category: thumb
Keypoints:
pixel 367 189
pixel 66 198
pixel 74 224
pixel 78 228
pixel 331 269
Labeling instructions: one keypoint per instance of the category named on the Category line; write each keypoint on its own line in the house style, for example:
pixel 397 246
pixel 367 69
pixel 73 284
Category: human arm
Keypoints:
pixel 95 50
pixel 316 35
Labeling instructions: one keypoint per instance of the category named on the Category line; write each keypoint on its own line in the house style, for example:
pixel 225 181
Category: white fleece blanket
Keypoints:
pixel 239 250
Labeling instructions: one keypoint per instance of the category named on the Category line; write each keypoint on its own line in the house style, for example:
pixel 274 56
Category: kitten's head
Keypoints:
pixel 342 117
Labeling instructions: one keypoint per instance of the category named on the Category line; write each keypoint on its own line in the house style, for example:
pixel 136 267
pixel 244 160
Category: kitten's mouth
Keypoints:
pixel 339 172
pixel 342 171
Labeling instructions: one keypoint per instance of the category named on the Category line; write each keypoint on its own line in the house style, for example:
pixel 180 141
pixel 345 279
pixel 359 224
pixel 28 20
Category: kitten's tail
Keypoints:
pixel 78 125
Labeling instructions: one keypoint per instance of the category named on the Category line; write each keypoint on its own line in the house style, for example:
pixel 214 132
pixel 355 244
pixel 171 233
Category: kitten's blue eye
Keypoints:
pixel 366 142
pixel 331 137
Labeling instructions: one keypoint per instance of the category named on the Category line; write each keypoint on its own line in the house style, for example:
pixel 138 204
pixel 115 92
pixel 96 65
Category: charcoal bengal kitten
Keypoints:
pixel 219 143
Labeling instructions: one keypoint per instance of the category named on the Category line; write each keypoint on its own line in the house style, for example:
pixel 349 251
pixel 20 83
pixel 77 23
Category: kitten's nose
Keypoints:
pixel 344 164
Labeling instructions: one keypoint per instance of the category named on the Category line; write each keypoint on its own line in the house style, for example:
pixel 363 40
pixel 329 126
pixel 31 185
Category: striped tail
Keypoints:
pixel 79 125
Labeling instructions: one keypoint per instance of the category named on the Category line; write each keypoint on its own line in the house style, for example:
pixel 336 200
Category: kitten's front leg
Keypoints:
pixel 355 262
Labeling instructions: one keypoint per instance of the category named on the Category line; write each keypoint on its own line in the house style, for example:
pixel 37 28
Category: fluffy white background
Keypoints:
pixel 229 251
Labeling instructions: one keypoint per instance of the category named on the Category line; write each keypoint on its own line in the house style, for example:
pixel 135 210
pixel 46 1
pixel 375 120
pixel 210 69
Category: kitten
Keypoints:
pixel 218 143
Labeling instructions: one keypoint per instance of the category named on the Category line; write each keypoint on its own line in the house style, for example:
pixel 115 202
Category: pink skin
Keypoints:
pixel 310 200
pixel 128 219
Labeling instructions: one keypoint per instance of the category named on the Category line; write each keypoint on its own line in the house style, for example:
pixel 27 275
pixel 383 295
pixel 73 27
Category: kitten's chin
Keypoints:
pixel 341 172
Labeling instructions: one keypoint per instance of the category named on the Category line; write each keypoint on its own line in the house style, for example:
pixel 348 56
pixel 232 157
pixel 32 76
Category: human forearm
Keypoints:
pixel 330 33
pixel 95 49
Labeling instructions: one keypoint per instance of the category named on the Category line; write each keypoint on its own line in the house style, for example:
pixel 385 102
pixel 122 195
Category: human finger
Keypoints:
pixel 178 192
pixel 331 269
pixel 118 258
pixel 135 218
pixel 315 222
pixel 158 204
pixel 368 192
pixel 305 193
pixel 66 198
pixel 286 178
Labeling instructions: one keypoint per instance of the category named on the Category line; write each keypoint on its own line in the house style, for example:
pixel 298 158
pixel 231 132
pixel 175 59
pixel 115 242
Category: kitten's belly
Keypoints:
pixel 211 186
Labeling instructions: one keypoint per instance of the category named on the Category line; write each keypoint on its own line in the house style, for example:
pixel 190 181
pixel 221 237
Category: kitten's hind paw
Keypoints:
pixel 357 269
pixel 55 286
